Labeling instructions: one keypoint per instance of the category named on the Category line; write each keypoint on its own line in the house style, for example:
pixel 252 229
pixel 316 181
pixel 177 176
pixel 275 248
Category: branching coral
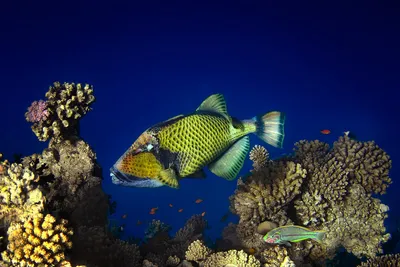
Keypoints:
pixel 390 260
pixel 338 200
pixel 264 195
pixel 197 251
pixel 58 116
pixel 260 157
pixel 40 240
pixel 331 192
pixel 158 248
pixel 368 165
pixel 231 258
pixel 155 227
pixel 20 198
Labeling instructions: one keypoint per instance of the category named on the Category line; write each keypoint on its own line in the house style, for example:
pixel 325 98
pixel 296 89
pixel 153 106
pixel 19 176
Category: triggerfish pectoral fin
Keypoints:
pixel 231 162
pixel 169 178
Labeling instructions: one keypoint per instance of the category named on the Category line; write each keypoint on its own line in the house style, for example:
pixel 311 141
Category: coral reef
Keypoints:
pixel 59 115
pixel 20 197
pixel 390 260
pixel 321 188
pixel 40 240
pixel 53 211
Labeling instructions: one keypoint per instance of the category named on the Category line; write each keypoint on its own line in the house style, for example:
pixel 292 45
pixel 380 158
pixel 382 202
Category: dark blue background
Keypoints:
pixel 327 66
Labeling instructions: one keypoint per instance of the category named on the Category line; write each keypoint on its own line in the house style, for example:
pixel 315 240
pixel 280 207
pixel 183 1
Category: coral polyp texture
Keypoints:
pixel 20 195
pixel 54 212
pixel 40 240
pixel 59 115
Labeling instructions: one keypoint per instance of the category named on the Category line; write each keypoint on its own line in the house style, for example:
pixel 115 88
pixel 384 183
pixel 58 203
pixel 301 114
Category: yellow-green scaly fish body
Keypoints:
pixel 182 146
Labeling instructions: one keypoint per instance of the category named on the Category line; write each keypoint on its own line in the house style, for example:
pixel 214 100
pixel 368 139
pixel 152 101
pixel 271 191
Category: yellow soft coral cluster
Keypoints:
pixel 40 240
pixel 19 197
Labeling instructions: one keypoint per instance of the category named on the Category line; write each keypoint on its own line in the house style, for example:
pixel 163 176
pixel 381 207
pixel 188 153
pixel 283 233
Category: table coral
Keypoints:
pixel 40 240
pixel 66 103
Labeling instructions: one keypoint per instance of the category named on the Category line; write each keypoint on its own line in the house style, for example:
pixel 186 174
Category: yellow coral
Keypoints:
pixel 19 197
pixel 32 248
pixel 197 251
pixel 231 258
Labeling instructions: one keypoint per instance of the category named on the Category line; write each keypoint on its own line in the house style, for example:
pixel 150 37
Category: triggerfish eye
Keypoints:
pixel 138 170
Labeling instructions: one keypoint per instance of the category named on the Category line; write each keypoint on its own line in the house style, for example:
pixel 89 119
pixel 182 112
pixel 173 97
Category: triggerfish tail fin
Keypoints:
pixel 270 128
pixel 319 236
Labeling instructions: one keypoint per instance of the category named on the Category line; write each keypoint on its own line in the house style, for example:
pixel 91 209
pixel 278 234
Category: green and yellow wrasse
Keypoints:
pixel 292 233
pixel 182 146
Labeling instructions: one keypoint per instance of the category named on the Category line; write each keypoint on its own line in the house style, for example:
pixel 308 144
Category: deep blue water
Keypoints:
pixel 326 66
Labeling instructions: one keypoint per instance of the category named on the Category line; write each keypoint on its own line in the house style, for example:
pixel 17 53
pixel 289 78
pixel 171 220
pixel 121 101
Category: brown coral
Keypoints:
pixel 40 240
pixel 66 103
pixel 390 260
pixel 275 256
pixel 367 164
pixel 93 246
pixel 266 192
pixel 231 258
pixel 20 197
pixel 260 157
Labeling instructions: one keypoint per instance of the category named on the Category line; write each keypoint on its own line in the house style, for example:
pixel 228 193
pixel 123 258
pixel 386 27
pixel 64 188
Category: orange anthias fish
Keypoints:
pixel 204 213
pixel 138 222
pixel 171 205
pixel 198 201
pixel 124 216
pixel 152 212
pixel 325 131
pixel 180 210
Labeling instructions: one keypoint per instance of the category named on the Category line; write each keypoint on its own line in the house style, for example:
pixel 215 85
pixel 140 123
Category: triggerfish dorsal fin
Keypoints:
pixel 214 103
pixel 174 118
pixel 168 177
pixel 231 162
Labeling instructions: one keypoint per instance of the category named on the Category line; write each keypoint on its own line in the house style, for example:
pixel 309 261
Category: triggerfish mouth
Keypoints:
pixel 183 146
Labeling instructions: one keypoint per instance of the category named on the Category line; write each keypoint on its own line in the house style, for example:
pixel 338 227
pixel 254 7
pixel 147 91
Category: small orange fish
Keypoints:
pixel 124 216
pixel 180 210
pixel 138 222
pixel 199 200
pixel 204 213
pixel 171 205
pixel 152 212
pixel 325 131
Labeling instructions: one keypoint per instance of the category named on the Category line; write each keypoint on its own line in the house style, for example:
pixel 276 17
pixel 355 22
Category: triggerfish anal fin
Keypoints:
pixel 215 103
pixel 231 162
pixel 168 177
